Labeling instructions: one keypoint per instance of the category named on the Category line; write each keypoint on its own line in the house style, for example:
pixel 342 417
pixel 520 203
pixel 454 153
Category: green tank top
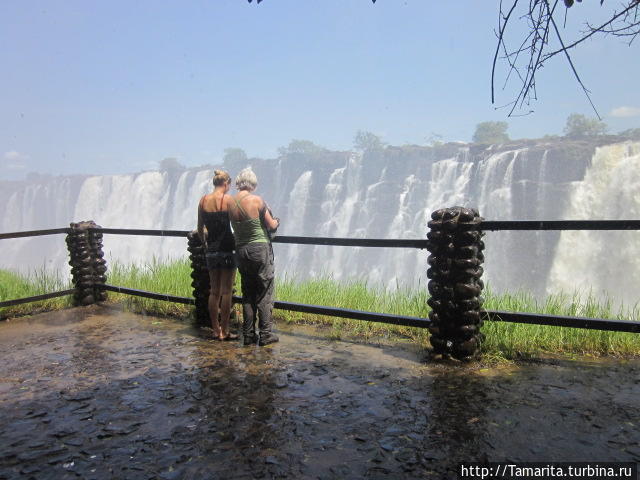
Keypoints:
pixel 248 231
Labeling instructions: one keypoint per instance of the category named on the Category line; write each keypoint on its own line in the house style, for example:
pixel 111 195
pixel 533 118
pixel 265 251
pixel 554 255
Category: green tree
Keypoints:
pixel 435 140
pixel 367 141
pixel 300 146
pixel 170 163
pixel 631 133
pixel 234 155
pixel 234 160
pixel 491 132
pixel 579 125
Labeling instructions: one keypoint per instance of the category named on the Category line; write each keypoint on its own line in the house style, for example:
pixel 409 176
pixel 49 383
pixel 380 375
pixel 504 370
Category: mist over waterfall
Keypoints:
pixel 296 212
pixel 603 261
pixel 387 193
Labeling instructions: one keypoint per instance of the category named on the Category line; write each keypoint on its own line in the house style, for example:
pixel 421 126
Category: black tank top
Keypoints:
pixel 219 235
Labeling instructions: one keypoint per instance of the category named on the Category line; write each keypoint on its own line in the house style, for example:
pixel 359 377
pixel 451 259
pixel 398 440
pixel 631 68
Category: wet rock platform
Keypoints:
pixel 98 393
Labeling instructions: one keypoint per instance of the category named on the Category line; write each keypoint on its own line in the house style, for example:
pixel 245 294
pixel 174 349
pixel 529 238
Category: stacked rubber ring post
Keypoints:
pixel 199 277
pixel 88 266
pixel 455 286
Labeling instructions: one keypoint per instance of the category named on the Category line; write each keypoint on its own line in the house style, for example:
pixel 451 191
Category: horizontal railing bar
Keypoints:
pixel 353 242
pixel 36 298
pixel 561 321
pixel 557 225
pixel 354 314
pixel 491 225
pixel 373 242
pixel 34 233
pixel 349 242
pixel 151 233
pixel 293 307
pixel 143 293
pixel 490 315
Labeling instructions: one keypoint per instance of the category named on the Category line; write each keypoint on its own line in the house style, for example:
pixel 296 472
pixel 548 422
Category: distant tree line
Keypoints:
pixel 363 141
pixel 489 132
pixel 170 164
pixel 577 126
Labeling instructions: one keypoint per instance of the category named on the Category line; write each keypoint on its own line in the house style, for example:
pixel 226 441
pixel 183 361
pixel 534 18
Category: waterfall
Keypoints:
pixel 103 198
pixel 496 174
pixel 340 207
pixel 383 194
pixel 329 207
pixel 603 261
pixel 296 217
pixel 448 185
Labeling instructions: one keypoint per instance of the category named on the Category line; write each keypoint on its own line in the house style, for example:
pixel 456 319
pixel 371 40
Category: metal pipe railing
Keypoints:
pixel 563 321
pixel 36 298
pixel 486 225
pixel 517 317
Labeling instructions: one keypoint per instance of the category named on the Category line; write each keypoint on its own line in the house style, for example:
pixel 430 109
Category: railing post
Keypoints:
pixel 454 282
pixel 99 264
pixel 200 278
pixel 88 266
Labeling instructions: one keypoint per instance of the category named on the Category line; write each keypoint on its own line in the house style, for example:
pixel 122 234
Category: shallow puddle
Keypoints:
pixel 100 393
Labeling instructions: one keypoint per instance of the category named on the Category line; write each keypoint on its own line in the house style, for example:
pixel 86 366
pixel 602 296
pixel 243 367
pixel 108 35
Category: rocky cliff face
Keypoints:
pixel 382 194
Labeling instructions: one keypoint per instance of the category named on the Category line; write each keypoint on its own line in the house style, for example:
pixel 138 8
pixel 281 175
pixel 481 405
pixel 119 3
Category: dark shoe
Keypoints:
pixel 268 340
pixel 249 340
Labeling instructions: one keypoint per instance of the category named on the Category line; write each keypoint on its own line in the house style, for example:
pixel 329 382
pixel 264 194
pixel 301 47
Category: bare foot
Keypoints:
pixel 229 337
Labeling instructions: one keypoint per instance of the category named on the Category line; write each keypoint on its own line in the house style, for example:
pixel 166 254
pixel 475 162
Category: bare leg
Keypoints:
pixel 214 301
pixel 227 278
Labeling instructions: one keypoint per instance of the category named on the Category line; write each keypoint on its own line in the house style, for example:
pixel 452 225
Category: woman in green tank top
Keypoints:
pixel 251 220
pixel 249 230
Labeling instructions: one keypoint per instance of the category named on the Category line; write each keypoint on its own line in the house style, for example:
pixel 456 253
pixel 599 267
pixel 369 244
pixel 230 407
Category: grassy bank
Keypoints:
pixel 38 282
pixel 504 340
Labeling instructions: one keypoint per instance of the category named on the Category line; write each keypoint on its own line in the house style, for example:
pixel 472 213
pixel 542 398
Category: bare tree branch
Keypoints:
pixel 573 68
pixel 532 53
pixel 602 29
pixel 502 26
pixel 541 18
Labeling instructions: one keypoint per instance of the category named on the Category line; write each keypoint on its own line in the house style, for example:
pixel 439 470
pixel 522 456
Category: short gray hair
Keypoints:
pixel 246 180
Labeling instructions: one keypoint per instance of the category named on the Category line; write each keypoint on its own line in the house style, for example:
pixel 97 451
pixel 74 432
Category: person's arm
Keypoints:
pixel 269 221
pixel 201 222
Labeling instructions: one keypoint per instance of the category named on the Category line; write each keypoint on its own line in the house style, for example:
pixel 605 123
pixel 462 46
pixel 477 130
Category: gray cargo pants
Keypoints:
pixel 255 263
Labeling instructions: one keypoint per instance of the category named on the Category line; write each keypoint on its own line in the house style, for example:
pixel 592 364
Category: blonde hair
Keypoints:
pixel 220 177
pixel 246 180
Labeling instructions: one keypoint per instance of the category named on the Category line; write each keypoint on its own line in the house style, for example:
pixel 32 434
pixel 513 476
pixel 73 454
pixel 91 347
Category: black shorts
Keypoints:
pixel 220 260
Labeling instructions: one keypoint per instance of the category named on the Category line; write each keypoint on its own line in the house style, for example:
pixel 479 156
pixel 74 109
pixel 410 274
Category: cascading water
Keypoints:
pixel 296 216
pixel 382 194
pixel 340 203
pixel 448 185
pixel 603 261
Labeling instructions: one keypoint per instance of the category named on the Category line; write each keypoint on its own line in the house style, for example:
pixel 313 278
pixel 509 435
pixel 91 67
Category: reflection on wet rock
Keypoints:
pixel 129 398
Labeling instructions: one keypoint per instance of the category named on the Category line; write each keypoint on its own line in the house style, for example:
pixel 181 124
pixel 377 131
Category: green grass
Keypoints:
pixel 170 278
pixel 38 282
pixel 356 295
pixel 513 340
pixel 504 340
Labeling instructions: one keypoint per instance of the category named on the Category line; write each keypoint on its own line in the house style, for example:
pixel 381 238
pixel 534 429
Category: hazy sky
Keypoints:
pixel 116 86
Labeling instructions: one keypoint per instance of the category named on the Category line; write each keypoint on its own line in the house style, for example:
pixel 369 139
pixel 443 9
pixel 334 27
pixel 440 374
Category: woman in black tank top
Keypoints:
pixel 215 233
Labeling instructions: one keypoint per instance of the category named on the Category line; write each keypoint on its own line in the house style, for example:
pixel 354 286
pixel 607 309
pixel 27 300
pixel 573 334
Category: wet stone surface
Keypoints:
pixel 96 393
